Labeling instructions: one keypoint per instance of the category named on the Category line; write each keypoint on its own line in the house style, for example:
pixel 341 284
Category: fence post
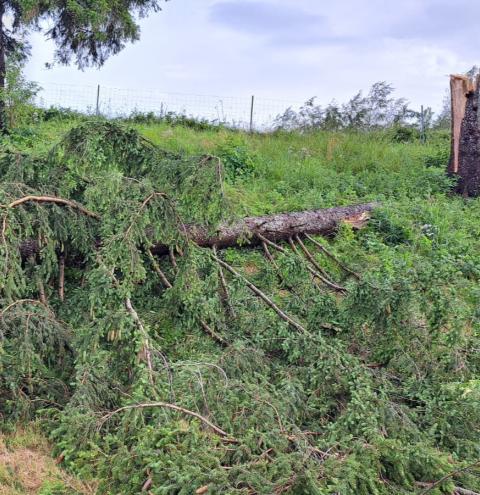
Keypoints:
pixel 423 136
pixel 97 111
pixel 251 113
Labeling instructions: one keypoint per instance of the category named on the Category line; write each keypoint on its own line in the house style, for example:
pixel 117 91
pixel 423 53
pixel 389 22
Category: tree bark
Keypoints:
pixel 282 226
pixel 252 231
pixel 465 142
pixel 3 51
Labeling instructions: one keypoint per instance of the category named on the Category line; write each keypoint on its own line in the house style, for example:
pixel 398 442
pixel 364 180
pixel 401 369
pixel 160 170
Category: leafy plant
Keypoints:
pixel 238 160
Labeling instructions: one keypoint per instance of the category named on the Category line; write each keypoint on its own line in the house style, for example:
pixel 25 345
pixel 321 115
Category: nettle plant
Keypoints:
pixel 168 370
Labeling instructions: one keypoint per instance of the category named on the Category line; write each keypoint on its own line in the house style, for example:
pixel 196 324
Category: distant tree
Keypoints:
pixel 332 119
pixel 86 31
pixel 377 110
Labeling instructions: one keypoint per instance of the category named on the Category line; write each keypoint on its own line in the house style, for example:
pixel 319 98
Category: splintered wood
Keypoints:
pixel 460 87
pixel 465 140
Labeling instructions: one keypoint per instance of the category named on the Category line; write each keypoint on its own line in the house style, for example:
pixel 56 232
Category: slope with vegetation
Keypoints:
pixel 177 375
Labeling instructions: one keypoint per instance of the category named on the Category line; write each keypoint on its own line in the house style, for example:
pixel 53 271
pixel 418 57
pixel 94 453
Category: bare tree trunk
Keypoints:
pixel 252 230
pixel 465 153
pixel 3 115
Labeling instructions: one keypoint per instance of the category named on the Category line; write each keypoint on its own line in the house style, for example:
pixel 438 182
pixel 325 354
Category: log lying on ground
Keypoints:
pixel 251 230
pixel 277 227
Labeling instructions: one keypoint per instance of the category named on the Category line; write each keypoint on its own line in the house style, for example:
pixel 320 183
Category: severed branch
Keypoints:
pixel 52 199
pixel 262 296
pixel 333 257
pixel 159 271
pixel 166 405
pixel 449 475
pixel 146 345
pixel 225 296
pixel 313 261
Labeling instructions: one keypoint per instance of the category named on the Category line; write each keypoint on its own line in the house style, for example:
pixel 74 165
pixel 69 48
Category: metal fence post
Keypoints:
pixel 251 113
pixel 423 135
pixel 97 111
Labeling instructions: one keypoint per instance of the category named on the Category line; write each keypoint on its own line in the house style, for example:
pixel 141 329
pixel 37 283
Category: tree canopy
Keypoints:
pixel 87 32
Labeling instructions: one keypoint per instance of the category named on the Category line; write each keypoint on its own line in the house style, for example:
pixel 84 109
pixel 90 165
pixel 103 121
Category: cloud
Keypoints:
pixel 283 24
pixel 442 21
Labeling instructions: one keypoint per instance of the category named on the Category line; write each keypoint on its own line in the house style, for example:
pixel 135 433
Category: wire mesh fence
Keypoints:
pixel 241 112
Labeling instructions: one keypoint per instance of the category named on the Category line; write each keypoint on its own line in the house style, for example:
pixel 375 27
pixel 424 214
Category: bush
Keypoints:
pixel 238 160
pixel 438 158
pixel 402 134
pixel 61 113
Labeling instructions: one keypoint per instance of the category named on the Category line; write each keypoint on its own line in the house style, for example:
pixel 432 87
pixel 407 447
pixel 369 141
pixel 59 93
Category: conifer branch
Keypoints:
pixel 173 407
pixel 333 257
pixel 322 274
pixel 262 296
pixel 52 199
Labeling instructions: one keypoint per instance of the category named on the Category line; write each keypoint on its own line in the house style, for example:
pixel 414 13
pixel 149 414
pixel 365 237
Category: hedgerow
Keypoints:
pixel 168 375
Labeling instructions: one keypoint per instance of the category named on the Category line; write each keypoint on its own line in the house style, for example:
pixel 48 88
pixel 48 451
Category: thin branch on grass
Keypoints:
pixel 307 266
pixel 268 255
pixel 333 257
pixel 262 296
pixel 270 243
pixel 173 407
pixel 313 261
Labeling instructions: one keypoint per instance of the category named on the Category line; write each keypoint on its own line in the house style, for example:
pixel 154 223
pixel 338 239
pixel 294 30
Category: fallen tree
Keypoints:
pixel 305 367
pixel 246 232
pixel 279 227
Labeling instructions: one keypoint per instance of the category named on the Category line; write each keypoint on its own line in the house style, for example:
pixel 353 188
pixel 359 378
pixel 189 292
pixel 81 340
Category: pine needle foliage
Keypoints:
pixel 167 375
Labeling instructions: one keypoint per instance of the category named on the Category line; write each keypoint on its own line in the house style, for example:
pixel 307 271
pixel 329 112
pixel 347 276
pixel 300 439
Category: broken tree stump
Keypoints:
pixel 465 142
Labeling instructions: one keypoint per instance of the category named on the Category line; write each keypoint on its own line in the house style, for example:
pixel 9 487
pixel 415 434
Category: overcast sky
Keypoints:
pixel 289 49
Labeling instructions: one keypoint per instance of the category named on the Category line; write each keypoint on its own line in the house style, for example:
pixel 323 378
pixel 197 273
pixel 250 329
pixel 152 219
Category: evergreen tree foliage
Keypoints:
pixel 87 32
pixel 169 375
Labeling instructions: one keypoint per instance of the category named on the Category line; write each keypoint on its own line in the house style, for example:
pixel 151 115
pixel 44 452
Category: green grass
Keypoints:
pixel 387 377
pixel 300 171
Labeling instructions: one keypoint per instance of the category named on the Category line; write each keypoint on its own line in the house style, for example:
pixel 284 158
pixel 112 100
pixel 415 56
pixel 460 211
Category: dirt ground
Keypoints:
pixel 27 468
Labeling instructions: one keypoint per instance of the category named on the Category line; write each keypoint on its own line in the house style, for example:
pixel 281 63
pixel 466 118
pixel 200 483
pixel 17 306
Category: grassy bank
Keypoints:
pixel 378 396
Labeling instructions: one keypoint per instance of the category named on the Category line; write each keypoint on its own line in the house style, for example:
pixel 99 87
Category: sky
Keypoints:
pixel 288 50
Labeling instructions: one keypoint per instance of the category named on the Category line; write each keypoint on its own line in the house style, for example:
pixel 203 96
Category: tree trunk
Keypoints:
pixel 3 51
pixel 277 227
pixel 465 151
pixel 251 230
